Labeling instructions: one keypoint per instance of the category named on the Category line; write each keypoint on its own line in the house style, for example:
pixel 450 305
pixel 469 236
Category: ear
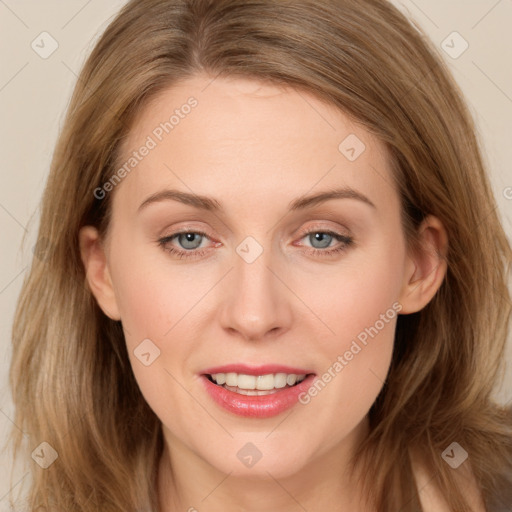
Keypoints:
pixel 93 256
pixel 426 268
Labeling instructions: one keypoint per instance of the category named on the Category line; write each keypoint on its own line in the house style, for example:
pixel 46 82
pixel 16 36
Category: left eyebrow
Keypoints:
pixel 338 193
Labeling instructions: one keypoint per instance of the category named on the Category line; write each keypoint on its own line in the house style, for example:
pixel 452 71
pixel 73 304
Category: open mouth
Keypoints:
pixel 256 392
pixel 256 385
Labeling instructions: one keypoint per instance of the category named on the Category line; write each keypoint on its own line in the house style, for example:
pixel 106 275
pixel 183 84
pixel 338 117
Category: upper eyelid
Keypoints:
pixel 316 228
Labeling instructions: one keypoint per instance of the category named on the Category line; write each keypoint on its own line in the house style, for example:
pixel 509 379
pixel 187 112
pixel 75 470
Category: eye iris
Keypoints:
pixel 187 241
pixel 323 238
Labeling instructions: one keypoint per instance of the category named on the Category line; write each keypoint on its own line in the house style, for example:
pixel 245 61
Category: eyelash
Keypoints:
pixel 197 253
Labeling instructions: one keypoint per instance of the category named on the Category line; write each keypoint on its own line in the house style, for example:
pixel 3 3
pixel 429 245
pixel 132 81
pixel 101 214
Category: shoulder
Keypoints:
pixel 431 498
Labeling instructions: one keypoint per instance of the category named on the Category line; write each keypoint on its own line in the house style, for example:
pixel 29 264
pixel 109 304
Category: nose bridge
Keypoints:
pixel 257 300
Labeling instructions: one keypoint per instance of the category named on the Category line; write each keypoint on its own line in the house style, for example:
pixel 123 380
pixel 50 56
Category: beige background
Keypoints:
pixel 35 91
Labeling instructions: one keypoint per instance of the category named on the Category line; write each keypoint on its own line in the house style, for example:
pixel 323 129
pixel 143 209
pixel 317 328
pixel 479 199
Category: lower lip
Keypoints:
pixel 264 406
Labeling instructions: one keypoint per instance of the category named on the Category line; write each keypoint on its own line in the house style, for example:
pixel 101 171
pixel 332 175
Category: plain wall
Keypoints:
pixel 35 91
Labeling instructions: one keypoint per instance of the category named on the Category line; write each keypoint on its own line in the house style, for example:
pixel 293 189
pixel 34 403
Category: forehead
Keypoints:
pixel 240 139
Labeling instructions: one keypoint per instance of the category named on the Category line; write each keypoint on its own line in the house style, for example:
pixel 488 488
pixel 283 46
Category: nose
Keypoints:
pixel 257 302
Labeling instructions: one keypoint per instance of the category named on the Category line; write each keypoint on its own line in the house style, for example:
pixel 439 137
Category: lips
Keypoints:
pixel 264 391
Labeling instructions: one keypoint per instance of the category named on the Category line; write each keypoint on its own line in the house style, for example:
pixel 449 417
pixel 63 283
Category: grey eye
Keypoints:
pixel 324 239
pixel 186 240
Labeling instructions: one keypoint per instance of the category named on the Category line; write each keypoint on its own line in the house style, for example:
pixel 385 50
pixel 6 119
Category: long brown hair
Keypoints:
pixel 71 378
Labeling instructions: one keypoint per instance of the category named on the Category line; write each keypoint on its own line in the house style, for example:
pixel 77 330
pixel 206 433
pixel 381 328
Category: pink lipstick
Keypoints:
pixel 256 391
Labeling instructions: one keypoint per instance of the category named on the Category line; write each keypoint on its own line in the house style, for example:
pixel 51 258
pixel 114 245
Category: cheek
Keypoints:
pixel 154 315
pixel 152 296
pixel 352 297
pixel 360 311
pixel 158 303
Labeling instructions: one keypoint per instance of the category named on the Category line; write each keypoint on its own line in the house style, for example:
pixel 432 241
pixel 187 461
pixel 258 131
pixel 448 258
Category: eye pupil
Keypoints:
pixel 323 238
pixel 187 240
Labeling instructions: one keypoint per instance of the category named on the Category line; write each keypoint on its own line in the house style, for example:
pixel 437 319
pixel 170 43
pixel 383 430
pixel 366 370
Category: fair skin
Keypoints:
pixel 255 148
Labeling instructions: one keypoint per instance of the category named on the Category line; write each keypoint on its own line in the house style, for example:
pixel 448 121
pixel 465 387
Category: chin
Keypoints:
pixel 256 460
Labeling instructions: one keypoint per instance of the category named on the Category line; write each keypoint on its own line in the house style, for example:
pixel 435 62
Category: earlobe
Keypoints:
pixel 97 271
pixel 426 268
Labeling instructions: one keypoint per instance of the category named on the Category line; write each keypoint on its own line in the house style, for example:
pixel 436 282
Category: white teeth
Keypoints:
pixel 290 379
pixel 264 383
pixel 247 382
pixel 231 379
pixel 259 382
pixel 280 380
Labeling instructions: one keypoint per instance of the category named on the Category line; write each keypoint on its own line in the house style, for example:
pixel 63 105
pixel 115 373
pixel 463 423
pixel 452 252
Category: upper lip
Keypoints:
pixel 264 369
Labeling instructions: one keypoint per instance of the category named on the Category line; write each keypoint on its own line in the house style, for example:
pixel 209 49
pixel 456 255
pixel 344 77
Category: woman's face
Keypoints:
pixel 277 275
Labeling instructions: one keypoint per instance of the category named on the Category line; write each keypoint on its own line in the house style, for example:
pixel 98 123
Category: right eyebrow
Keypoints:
pixel 200 202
